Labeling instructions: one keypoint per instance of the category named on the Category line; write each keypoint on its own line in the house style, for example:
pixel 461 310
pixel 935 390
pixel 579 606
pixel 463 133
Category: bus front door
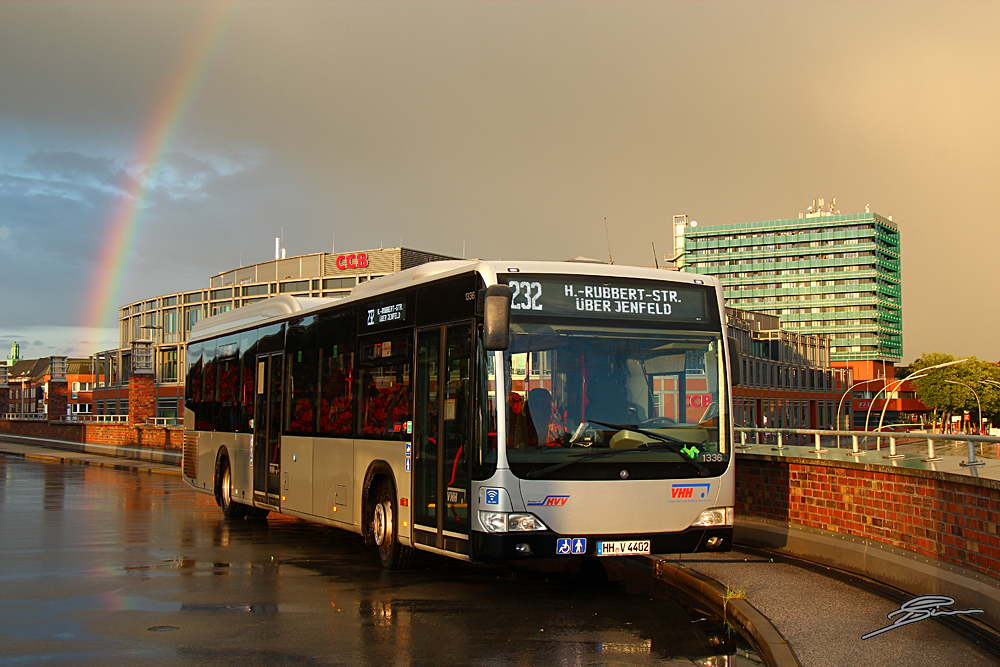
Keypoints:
pixel 267 430
pixel 442 437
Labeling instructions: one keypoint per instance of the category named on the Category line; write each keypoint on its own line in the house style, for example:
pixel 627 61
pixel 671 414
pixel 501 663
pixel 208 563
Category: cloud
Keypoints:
pixel 72 167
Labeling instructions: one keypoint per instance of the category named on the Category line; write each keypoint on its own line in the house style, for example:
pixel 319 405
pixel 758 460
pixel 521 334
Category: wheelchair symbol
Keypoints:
pixel 564 546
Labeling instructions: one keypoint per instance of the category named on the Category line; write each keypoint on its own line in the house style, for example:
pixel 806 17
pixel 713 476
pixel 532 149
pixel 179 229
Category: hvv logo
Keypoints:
pixel 691 492
pixel 550 501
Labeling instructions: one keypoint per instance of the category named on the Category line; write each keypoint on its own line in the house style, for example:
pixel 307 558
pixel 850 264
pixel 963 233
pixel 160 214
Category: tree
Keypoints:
pixel 948 399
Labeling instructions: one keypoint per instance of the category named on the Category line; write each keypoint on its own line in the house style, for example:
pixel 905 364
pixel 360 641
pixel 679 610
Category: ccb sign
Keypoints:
pixel 352 261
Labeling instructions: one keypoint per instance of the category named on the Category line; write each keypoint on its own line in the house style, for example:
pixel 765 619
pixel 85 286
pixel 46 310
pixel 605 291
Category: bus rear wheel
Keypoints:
pixel 224 493
pixel 385 532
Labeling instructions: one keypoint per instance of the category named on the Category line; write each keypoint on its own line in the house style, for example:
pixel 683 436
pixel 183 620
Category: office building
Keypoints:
pixel 786 379
pixel 822 272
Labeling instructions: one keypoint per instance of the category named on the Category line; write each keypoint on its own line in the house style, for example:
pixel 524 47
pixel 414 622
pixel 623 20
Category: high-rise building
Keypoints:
pixel 822 272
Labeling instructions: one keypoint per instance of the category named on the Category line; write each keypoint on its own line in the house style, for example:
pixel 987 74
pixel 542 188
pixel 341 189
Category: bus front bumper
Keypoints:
pixel 495 547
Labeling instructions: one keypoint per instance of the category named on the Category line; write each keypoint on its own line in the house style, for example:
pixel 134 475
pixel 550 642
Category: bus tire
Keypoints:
pixel 223 493
pixel 384 529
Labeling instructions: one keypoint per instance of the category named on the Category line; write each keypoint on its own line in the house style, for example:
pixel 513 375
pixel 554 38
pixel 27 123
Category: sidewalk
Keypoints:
pixel 55 455
pixel 823 613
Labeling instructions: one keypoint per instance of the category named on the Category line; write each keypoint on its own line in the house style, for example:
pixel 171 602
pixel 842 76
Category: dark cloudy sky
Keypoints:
pixel 514 127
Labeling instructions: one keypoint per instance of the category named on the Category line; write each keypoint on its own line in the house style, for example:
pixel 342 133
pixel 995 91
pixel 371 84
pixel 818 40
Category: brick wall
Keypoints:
pixel 156 437
pixel 948 517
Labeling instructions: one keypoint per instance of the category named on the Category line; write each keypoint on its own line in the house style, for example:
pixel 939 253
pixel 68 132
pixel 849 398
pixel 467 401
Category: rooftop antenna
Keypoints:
pixel 608 237
pixel 655 260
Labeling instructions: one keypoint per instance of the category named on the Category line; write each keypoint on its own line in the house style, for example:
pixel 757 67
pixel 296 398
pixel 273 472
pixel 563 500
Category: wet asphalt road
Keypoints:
pixel 106 567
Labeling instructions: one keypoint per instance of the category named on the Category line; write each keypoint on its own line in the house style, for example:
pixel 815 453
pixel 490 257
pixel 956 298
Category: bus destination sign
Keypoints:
pixel 607 297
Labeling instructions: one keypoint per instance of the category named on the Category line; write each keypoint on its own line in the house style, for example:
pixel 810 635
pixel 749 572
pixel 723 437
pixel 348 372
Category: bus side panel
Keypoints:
pixel 333 479
pixel 393 453
pixel 239 461
pixel 208 449
pixel 297 474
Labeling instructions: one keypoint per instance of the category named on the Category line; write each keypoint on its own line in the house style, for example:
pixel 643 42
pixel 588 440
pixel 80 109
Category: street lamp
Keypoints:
pixel 886 403
pixel 840 406
pixel 979 427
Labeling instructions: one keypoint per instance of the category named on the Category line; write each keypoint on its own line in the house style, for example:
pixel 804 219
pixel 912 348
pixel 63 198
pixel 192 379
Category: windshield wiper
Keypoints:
pixel 666 443
pixel 687 453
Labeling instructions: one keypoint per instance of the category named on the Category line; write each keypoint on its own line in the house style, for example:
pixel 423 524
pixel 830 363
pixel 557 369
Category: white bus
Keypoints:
pixel 488 411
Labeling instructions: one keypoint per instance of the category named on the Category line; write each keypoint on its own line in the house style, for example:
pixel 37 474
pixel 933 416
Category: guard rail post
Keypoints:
pixel 930 452
pixel 972 462
pixel 892 449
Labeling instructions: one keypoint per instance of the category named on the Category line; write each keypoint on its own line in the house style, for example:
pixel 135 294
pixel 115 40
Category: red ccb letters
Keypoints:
pixel 352 261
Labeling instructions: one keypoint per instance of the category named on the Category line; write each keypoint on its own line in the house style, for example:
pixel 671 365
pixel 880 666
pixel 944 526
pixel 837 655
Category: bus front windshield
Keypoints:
pixel 584 401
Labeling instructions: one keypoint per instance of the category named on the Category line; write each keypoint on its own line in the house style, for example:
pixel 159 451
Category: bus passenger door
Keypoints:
pixel 442 437
pixel 267 430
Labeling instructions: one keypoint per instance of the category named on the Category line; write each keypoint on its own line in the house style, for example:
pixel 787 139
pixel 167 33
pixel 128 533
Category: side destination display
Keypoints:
pixel 607 297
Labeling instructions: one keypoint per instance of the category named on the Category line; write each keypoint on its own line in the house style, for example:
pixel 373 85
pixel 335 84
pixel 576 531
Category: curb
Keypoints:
pixel 771 646
pixel 673 580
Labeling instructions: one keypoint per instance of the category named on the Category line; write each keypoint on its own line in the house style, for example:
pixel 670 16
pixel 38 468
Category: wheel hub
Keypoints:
pixel 380 523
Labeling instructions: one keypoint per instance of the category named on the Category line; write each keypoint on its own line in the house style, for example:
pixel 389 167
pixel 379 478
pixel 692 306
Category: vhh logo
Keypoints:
pixel 689 491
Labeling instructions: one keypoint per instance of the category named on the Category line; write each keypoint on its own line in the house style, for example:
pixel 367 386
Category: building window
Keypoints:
pixel 191 317
pixel 296 286
pixel 254 290
pixel 168 365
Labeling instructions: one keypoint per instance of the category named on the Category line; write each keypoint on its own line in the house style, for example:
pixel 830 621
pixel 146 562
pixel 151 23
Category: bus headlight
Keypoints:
pixel 522 522
pixel 717 516
pixel 493 522
pixel 503 522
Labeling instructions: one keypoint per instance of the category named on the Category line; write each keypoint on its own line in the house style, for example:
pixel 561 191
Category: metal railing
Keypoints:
pixel 26 416
pixel 161 421
pixel 860 441
pixel 100 419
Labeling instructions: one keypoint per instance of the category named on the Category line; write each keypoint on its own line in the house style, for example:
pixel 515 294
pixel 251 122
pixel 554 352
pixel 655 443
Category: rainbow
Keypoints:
pixel 122 229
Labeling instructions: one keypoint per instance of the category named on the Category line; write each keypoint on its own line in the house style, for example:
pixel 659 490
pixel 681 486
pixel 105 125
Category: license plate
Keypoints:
pixel 623 548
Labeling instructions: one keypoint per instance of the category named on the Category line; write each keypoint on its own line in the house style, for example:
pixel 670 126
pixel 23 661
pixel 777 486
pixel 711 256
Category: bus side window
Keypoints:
pixel 385 397
pixel 303 376
pixel 336 375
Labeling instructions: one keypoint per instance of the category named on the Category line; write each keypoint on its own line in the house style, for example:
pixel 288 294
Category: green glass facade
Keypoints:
pixel 827 274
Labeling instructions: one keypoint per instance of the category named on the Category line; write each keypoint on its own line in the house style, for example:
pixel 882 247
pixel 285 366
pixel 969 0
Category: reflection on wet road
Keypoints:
pixel 104 567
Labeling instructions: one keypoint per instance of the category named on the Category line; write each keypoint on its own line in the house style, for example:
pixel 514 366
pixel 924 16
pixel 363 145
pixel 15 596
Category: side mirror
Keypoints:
pixel 735 361
pixel 496 317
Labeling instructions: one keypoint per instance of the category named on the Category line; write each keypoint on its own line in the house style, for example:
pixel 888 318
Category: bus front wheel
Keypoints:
pixel 224 493
pixel 385 532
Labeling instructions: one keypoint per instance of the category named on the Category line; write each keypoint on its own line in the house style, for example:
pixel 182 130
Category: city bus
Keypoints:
pixel 487 411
